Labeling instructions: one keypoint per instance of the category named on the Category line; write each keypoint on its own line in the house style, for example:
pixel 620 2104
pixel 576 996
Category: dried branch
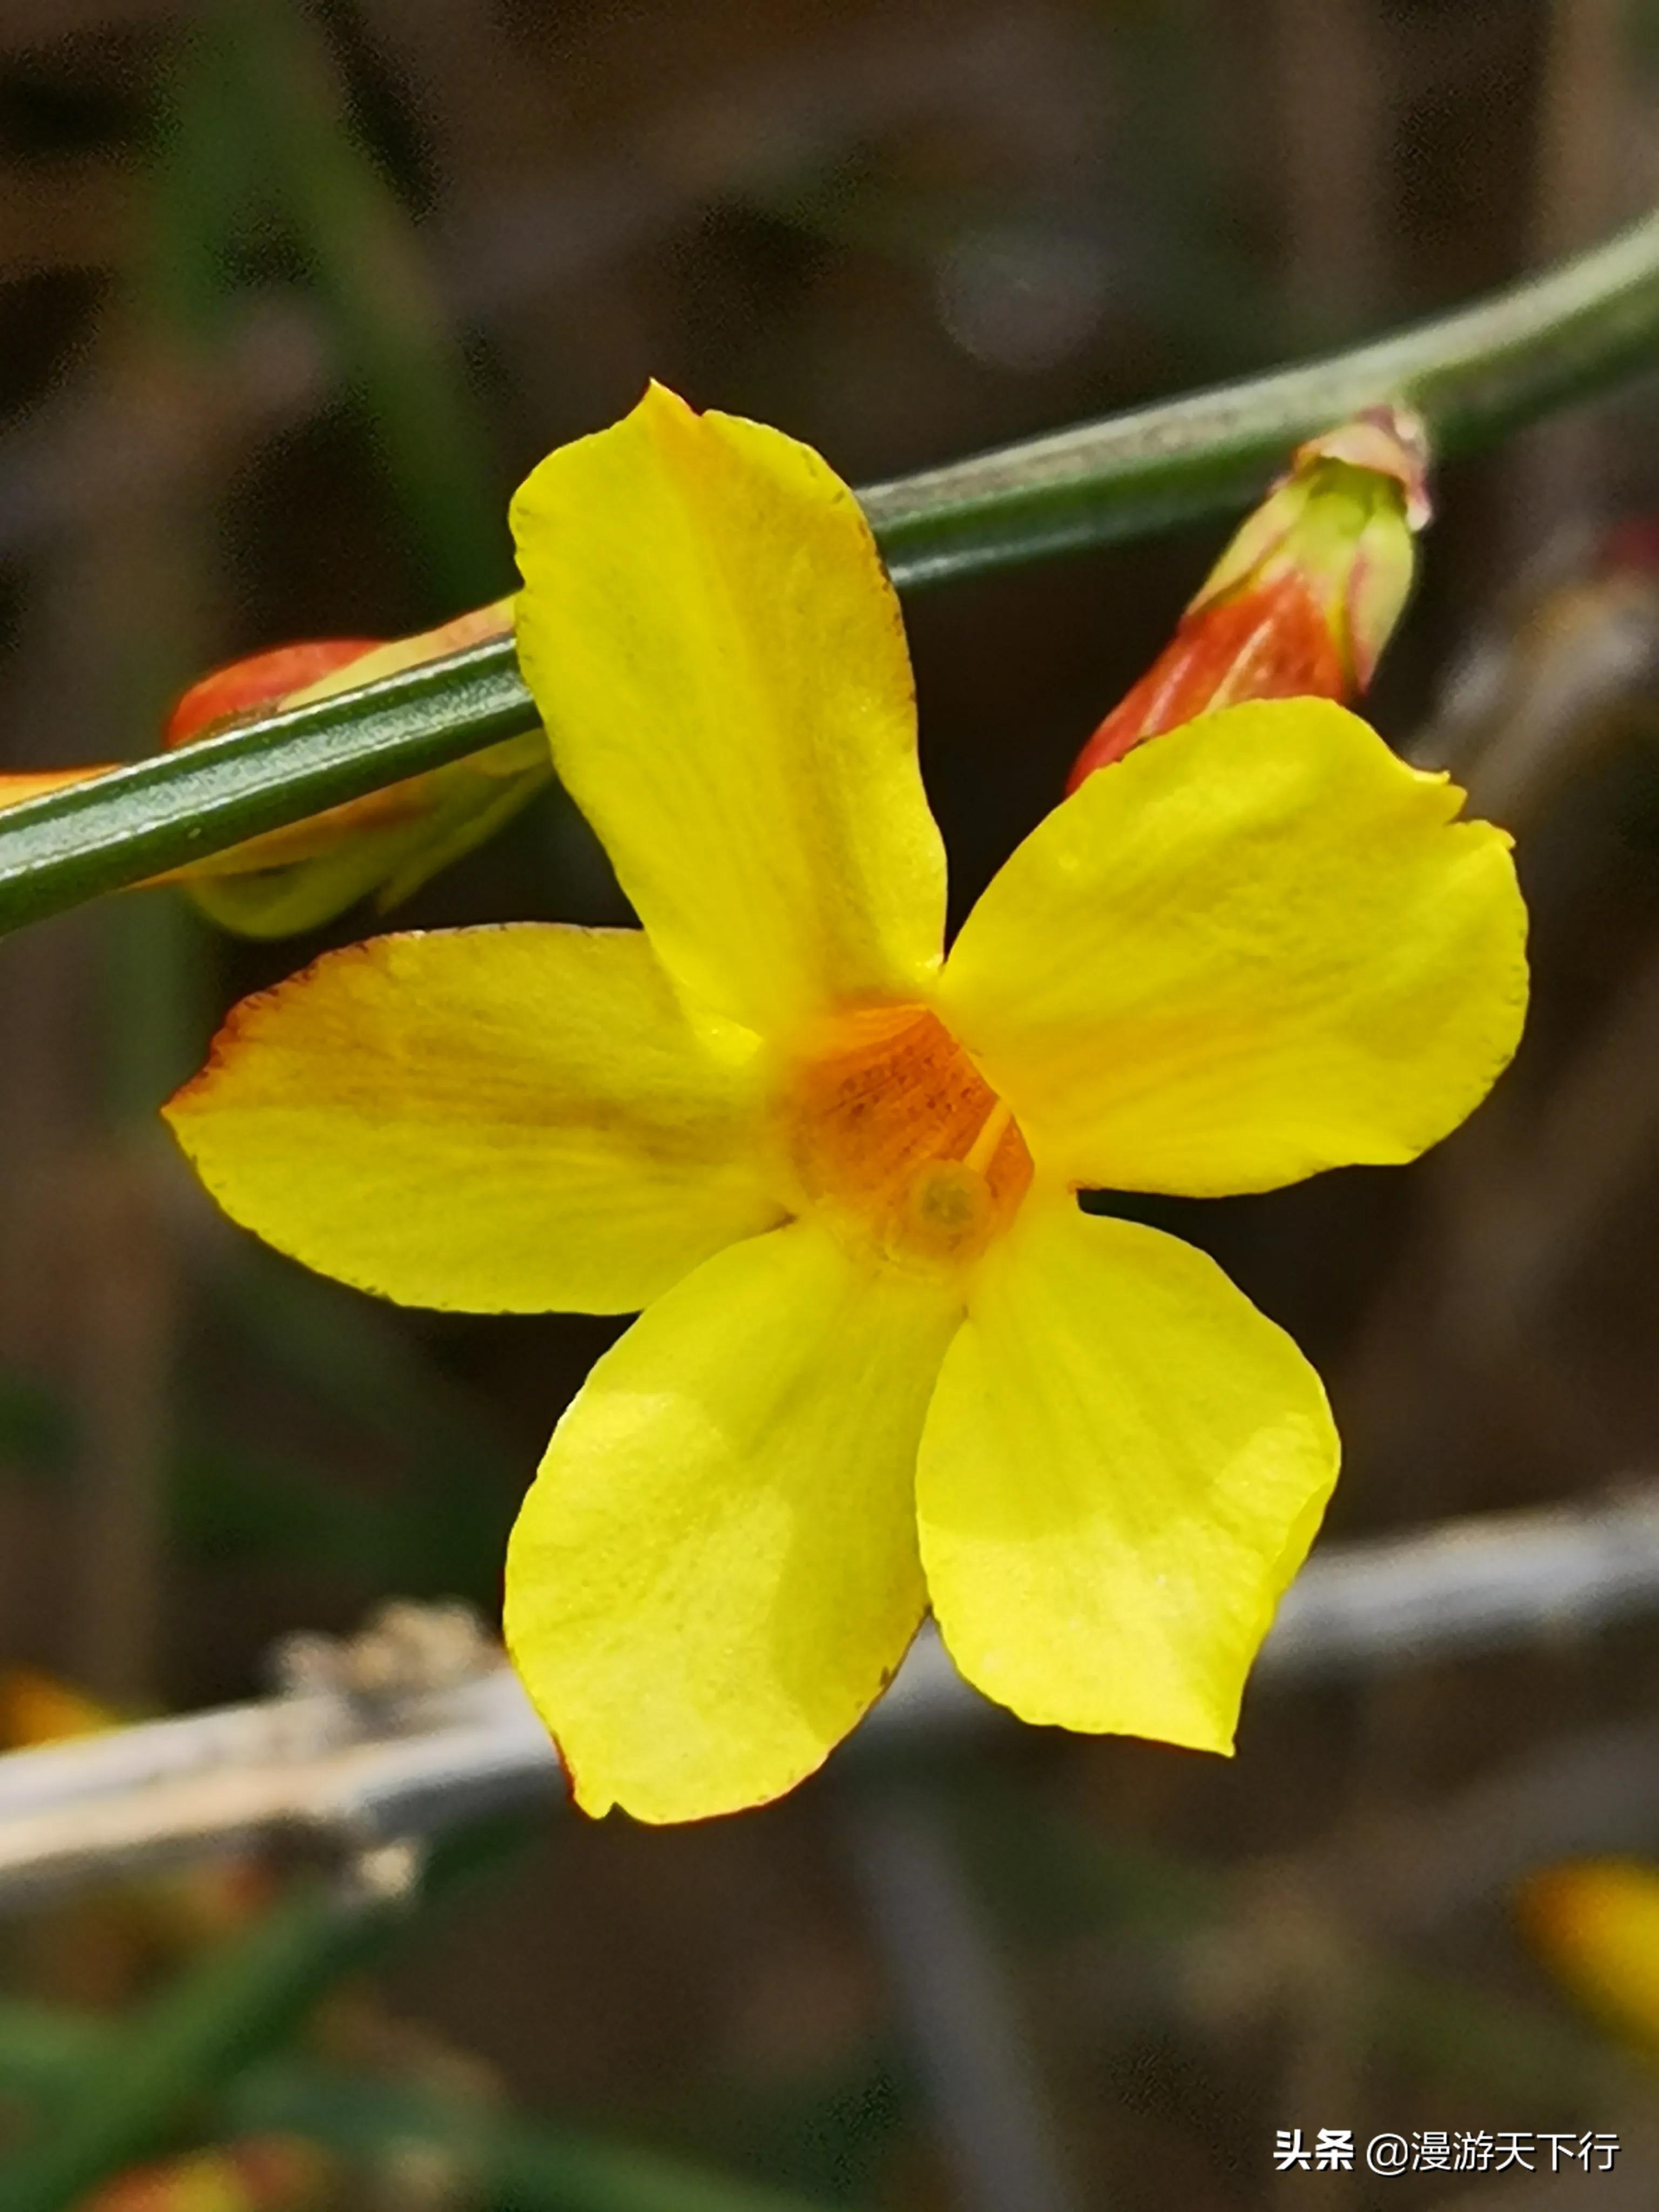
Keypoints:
pixel 418 1727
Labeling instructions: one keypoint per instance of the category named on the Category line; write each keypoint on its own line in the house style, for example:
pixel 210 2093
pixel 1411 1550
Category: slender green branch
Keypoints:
pixel 1472 375
pixel 1475 375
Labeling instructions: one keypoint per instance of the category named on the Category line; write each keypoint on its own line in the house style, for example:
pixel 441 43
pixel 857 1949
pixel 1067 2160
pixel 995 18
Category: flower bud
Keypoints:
pixel 389 842
pixel 246 688
pixel 1304 598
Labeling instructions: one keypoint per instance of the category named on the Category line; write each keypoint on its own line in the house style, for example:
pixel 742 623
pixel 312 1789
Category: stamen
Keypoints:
pixel 896 1135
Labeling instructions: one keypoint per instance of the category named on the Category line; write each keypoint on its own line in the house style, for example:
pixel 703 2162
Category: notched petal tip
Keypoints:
pixel 1080 1714
pixel 597 1800
pixel 660 403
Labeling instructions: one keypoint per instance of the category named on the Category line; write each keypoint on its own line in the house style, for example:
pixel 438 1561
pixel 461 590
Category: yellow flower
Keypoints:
pixel 886 1359
pixel 1595 1923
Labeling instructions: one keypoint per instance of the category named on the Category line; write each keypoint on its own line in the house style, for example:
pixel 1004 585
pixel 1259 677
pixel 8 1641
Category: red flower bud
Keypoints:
pixel 236 692
pixel 1304 598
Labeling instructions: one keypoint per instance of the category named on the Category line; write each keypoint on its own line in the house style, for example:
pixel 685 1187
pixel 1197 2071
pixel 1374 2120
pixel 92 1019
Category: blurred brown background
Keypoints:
pixel 290 297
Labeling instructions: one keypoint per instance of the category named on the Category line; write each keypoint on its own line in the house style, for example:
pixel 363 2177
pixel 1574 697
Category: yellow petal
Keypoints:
pixel 715 1572
pixel 1123 1465
pixel 507 1120
pixel 18 790
pixel 36 1707
pixel 1258 947
pixel 719 658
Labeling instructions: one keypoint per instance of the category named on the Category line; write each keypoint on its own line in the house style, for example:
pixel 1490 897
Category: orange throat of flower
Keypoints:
pixel 897 1138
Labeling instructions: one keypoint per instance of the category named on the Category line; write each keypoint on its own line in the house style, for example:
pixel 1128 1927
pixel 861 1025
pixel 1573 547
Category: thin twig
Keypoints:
pixel 968 2044
pixel 345 1769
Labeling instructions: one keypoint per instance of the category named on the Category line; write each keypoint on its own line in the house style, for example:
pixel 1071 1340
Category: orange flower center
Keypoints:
pixel 895 1132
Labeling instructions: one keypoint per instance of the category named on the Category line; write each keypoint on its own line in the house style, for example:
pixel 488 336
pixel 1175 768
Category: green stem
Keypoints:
pixel 1475 375
pixel 118 830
